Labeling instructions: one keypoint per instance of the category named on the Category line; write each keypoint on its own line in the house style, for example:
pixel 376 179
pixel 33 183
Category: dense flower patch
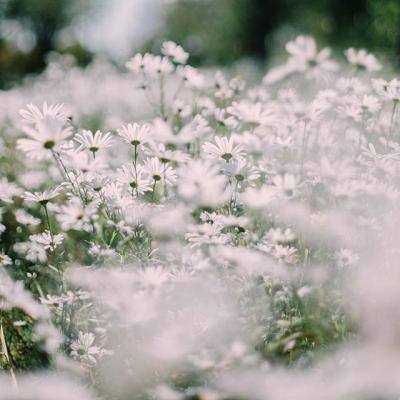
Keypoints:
pixel 233 242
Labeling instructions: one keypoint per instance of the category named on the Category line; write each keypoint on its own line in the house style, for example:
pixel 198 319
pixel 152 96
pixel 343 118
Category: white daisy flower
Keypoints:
pixel 135 134
pixel 47 240
pixel 362 59
pixel 42 197
pixel 46 135
pixel 75 215
pixel 223 149
pixel 83 348
pixel 158 171
pixel 135 177
pixel 93 141
pixel 176 52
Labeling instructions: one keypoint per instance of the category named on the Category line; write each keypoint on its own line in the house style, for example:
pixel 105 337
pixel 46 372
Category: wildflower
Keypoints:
pixel 135 134
pixel 191 77
pixel 361 59
pixel 251 113
pixel 181 109
pixel 33 251
pixel 346 258
pixel 164 154
pixel 5 260
pixel 150 65
pixel 158 171
pixel 152 276
pixel 304 54
pixel 45 136
pixel 388 90
pixel 286 254
pixel 206 234
pixel 303 57
pixel 137 63
pixel 42 197
pixel 159 66
pixel 243 173
pixel 75 215
pixel 174 51
pixel 352 85
pixel 93 141
pixel 47 240
pixel 224 149
pixel 83 348
pixel 33 114
pixel 135 177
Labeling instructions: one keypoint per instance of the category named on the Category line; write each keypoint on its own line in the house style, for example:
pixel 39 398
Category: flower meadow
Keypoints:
pixel 171 233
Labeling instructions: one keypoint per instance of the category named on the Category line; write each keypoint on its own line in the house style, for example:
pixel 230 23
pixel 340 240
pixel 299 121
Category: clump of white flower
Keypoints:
pixel 197 248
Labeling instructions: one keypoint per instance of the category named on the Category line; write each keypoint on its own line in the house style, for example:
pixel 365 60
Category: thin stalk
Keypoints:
pixel 7 356
pixel 48 223
pixel 135 156
pixel 162 98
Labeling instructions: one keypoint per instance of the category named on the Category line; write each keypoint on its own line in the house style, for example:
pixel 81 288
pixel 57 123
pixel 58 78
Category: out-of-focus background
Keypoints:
pixel 215 32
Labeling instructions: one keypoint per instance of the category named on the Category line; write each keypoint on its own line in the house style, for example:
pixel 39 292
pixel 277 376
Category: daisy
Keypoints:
pixel 135 177
pixel 33 251
pixel 206 234
pixel 152 276
pixel 42 197
pixel 346 257
pixel 161 66
pixel 137 63
pixel 251 113
pixel 33 114
pixel 361 59
pixel 165 155
pixel 93 141
pixel 304 55
pixel 158 171
pixel 44 136
pixel 243 172
pixel 47 240
pixel 286 254
pixel 191 77
pixel 223 149
pixel 83 348
pixel 135 134
pixel 75 215
pixel 150 65
pixel 388 90
pixel 176 52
